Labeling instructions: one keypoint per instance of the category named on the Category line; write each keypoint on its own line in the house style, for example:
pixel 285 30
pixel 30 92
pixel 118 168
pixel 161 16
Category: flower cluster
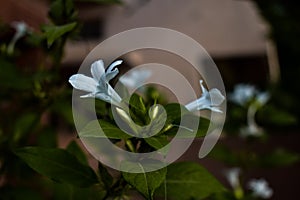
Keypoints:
pixel 258 187
pixel 98 87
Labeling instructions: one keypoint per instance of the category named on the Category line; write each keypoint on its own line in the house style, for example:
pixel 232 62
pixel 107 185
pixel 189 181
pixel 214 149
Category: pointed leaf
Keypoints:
pixel 106 178
pixel 74 149
pixel 187 180
pixel 52 33
pixel 108 130
pixel 145 183
pixel 58 164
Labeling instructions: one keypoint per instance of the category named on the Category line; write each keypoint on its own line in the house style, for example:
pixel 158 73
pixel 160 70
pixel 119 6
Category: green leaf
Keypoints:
pixel 47 138
pixel 23 125
pixel 226 155
pixel 187 180
pixel 145 183
pixel 62 11
pixel 58 164
pixel 157 142
pixel 106 178
pixel 279 157
pixel 52 33
pixel 74 149
pixel 20 193
pixel 108 130
pixel 189 124
pixel 138 110
pixel 174 112
pixel 276 117
pixel 63 191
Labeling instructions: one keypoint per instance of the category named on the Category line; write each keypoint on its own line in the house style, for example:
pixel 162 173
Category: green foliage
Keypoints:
pixel 59 165
pixel 109 130
pixel 147 182
pixel 75 149
pixel 62 11
pixel 53 33
pixel 35 105
pixel 187 180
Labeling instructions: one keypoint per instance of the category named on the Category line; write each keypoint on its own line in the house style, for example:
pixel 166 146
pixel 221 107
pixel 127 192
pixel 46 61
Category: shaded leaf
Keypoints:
pixel 187 180
pixel 52 33
pixel 174 112
pixel 145 183
pixel 58 164
pixel 279 157
pixel 109 130
pixel 106 178
pixel 65 191
pixel 75 149
pixel 157 142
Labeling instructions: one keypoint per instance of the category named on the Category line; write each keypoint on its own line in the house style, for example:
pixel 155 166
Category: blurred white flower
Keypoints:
pixel 262 98
pixel 21 30
pixel 98 86
pixel 244 93
pixel 260 188
pixel 209 100
pixel 135 77
pixel 252 129
pixel 232 176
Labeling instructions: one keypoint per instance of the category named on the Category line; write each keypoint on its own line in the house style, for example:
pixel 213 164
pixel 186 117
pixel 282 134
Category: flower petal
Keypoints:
pixel 216 97
pixel 112 65
pixel 263 97
pixel 204 90
pixel 111 74
pixel 82 82
pixel 97 69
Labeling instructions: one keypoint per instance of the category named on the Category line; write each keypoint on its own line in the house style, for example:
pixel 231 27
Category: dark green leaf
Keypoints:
pixel 108 130
pixel 279 157
pixel 145 183
pixel 62 11
pixel 188 126
pixel 66 191
pixel 187 180
pixel 276 117
pixel 52 33
pixel 138 110
pixel 47 138
pixel 106 178
pixel 157 142
pixel 24 124
pixel 224 154
pixel 58 164
pixel 74 149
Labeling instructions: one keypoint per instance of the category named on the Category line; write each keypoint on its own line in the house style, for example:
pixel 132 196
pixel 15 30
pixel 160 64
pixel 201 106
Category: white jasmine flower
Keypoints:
pixel 252 129
pixel 98 86
pixel 135 77
pixel 260 188
pixel 232 176
pixel 209 100
pixel 262 98
pixel 242 94
pixel 21 30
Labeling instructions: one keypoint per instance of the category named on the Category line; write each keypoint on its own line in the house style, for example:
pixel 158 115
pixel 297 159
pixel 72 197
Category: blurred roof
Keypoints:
pixel 224 28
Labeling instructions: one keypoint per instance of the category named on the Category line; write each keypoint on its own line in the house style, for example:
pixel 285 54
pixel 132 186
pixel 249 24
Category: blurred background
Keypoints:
pixel 252 42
